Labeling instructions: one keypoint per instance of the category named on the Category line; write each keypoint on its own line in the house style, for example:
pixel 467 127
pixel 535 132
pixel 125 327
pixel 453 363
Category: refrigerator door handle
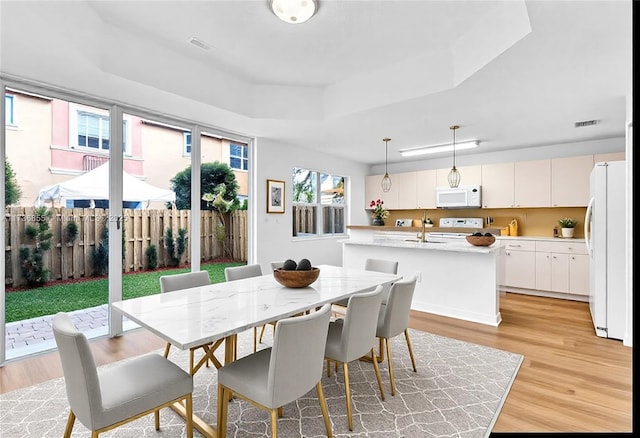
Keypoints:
pixel 587 220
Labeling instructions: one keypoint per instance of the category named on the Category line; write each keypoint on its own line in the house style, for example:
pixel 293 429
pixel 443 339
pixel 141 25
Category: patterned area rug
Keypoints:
pixel 458 391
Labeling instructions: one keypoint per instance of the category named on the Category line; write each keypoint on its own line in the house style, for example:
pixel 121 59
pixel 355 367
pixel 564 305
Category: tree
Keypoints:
pixel 32 259
pixel 218 203
pixel 212 175
pixel 12 191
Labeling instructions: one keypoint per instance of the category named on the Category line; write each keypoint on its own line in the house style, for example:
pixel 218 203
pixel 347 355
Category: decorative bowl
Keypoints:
pixel 296 278
pixel 481 240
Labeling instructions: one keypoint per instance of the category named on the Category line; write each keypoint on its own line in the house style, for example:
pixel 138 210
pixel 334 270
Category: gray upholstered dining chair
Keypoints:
pixel 281 374
pixel 394 320
pixel 377 265
pixel 354 336
pixel 170 283
pixel 246 271
pixel 105 399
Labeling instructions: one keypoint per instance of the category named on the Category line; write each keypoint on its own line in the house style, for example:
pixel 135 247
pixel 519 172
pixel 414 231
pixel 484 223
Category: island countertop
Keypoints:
pixel 458 246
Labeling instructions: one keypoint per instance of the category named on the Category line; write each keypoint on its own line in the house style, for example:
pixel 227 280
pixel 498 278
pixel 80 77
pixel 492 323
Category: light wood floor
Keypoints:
pixel 570 380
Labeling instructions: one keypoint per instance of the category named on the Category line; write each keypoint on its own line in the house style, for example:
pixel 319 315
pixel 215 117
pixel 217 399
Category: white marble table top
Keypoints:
pixel 192 317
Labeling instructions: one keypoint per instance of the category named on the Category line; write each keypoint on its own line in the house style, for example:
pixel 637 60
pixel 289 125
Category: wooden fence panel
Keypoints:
pixel 74 259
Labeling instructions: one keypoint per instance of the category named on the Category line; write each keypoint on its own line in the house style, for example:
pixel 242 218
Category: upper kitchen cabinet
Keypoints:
pixel 613 156
pixel 532 183
pixel 426 189
pixel 570 181
pixel 401 196
pixel 373 190
pixel 469 175
pixel 403 191
pixel 498 185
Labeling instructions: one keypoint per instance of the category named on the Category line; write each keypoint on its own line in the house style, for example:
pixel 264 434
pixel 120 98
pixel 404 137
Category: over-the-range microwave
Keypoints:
pixel 460 197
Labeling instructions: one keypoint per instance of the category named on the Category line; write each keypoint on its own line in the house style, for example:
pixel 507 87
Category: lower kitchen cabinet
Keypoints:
pixel 558 268
pixel 519 261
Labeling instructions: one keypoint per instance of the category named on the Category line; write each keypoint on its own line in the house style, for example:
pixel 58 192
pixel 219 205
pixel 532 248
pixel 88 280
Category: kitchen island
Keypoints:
pixel 455 279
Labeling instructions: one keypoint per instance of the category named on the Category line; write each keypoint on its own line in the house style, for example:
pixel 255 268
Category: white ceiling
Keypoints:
pixel 512 74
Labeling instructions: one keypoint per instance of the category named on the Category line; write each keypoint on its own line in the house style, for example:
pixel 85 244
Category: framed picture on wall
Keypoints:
pixel 275 196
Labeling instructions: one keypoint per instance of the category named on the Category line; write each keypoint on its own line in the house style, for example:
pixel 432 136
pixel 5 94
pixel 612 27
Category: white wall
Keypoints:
pixel 274 231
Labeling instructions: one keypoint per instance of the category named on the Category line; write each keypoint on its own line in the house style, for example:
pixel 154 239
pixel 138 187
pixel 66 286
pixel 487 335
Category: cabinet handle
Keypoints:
pixel 513 246
pixel 554 257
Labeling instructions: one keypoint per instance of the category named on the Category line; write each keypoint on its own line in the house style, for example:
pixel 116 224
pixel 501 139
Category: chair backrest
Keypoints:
pixel 240 272
pixel 360 323
pixel 378 265
pixel 276 265
pixel 395 317
pixel 169 283
pixel 79 369
pixel 297 355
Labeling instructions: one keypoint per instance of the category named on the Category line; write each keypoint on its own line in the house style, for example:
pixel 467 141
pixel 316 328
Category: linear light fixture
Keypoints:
pixel 434 149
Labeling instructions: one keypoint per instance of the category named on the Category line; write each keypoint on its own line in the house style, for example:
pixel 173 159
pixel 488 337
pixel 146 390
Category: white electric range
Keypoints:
pixel 453 223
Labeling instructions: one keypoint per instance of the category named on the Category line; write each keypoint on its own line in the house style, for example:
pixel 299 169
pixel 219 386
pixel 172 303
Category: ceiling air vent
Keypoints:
pixel 586 123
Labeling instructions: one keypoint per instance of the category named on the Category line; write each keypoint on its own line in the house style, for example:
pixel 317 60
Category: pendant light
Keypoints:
pixel 386 181
pixel 454 175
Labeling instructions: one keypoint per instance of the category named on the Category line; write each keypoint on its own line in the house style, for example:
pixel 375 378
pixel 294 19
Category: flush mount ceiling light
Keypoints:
pixel 386 180
pixel 435 148
pixel 294 11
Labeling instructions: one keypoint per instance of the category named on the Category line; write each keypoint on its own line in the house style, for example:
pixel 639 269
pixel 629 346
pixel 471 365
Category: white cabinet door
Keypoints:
pixel 559 272
pixel 543 270
pixel 426 189
pixel 469 175
pixel 579 274
pixel 373 190
pixel 519 263
pixel 532 183
pixel 404 186
pixel 570 181
pixel 498 185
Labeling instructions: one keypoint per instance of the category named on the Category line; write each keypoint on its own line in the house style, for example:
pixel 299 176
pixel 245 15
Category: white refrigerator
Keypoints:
pixel 604 230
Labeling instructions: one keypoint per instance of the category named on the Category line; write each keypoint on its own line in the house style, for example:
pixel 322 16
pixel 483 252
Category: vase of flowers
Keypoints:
pixel 567 224
pixel 379 213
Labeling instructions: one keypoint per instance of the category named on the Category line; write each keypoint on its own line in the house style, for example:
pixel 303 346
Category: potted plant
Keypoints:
pixel 567 224
pixel 379 213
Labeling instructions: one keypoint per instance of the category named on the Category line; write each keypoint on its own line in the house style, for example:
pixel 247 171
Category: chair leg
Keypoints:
pixel 156 418
pixel 413 360
pixel 347 392
pixel 377 370
pixel 166 350
pixel 390 362
pixel 262 333
pixel 70 420
pixel 274 423
pixel 191 360
pixel 189 414
pixel 255 338
pixel 328 368
pixel 325 412
pixel 223 405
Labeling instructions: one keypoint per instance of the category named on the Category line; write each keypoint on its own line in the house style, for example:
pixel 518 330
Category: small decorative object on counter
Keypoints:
pixel 379 213
pixel 567 224
pixel 479 239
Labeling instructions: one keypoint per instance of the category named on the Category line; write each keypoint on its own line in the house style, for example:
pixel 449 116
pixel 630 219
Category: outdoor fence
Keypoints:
pixel 73 259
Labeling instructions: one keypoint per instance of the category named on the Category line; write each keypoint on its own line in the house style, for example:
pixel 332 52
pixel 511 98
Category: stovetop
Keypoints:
pixel 461 222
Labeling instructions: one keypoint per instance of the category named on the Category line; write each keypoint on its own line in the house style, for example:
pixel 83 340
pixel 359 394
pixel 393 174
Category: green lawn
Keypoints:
pixel 66 297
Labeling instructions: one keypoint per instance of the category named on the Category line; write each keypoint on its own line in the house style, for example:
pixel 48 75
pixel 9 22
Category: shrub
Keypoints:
pixel 32 259
pixel 152 257
pixel 175 248
pixel 100 254
pixel 71 232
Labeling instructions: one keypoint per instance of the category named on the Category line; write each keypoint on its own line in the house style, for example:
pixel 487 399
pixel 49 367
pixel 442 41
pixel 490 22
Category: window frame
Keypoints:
pixel 9 109
pixel 76 110
pixel 186 143
pixel 244 159
pixel 334 209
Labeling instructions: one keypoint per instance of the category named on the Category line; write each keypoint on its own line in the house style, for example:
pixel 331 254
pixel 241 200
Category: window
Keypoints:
pixel 315 192
pixel 238 156
pixel 92 131
pixel 187 143
pixel 9 109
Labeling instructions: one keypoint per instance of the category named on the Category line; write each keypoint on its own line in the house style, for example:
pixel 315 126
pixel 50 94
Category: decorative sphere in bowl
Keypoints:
pixel 296 278
pixel 481 240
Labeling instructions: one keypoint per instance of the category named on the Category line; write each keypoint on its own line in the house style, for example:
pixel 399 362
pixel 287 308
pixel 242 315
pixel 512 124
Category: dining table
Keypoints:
pixel 203 315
